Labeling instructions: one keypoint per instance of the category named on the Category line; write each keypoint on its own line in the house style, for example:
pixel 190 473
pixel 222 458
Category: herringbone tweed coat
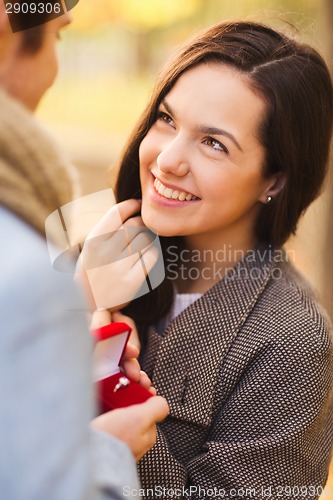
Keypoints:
pixel 247 371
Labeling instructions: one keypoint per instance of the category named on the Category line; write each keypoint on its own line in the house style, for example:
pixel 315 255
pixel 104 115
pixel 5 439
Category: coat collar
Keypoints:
pixel 197 340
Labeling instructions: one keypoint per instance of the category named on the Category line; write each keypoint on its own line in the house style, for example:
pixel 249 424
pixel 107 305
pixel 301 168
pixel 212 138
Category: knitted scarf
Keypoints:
pixel 35 179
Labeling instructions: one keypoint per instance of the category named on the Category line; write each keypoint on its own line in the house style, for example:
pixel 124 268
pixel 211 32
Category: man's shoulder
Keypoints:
pixel 26 268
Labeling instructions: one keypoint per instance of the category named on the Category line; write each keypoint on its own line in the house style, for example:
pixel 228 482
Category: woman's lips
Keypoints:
pixel 167 197
pixel 172 194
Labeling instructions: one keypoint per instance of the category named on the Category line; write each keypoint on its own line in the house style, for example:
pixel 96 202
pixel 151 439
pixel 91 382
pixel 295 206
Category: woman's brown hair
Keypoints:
pixel 295 83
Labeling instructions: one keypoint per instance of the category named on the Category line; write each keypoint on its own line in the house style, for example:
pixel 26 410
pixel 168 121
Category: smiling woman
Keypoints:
pixel 226 178
pixel 230 151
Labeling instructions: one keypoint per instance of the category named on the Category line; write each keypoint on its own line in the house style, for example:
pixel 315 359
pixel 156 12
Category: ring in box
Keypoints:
pixel 114 388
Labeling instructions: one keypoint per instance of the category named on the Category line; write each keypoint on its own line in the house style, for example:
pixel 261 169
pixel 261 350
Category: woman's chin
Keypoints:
pixel 159 230
pixel 160 223
pixel 157 226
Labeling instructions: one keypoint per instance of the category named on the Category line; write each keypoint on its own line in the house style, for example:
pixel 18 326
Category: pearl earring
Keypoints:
pixel 269 199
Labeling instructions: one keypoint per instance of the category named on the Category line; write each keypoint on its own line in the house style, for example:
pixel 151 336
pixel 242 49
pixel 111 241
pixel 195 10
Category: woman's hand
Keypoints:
pixel 116 257
pixel 135 425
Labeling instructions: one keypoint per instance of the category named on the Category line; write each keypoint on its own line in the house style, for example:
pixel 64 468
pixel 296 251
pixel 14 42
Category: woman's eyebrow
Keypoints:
pixel 167 107
pixel 218 131
pixel 203 129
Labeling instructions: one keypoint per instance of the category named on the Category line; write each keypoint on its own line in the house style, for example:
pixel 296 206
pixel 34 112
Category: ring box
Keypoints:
pixel 114 388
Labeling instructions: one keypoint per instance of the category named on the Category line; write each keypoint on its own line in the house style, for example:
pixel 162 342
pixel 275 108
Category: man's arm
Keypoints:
pixel 47 449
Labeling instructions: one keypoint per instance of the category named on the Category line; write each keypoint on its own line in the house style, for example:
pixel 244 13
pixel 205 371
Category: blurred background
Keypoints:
pixel 109 58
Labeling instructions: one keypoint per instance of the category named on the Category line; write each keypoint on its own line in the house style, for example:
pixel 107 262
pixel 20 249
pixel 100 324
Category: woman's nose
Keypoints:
pixel 173 158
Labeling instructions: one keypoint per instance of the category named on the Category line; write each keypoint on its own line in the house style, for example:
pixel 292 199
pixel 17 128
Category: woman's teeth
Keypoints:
pixel 173 194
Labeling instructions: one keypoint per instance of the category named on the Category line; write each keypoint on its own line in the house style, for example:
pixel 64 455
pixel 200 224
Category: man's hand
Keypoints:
pixel 135 425
pixel 130 364
pixel 134 338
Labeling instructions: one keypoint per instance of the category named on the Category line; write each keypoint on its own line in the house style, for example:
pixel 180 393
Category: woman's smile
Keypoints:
pixel 173 193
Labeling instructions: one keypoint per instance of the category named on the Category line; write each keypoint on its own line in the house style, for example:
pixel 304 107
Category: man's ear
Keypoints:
pixel 8 42
pixel 5 34
pixel 275 184
pixel 4 22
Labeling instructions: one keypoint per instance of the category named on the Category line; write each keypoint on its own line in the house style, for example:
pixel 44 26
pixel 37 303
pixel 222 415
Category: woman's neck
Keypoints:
pixel 206 259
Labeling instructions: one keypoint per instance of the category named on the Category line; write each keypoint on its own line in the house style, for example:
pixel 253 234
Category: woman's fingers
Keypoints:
pixel 119 282
pixel 131 351
pixel 132 369
pixel 117 256
pixel 145 381
pixel 100 318
pixel 128 208
pixel 115 217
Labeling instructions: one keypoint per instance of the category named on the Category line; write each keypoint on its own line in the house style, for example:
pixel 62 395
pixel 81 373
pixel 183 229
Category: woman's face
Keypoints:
pixel 201 162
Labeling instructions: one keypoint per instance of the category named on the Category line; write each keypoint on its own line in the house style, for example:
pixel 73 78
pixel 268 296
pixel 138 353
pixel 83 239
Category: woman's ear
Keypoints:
pixel 275 184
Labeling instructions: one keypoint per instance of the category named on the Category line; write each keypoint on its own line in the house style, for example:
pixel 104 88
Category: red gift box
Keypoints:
pixel 114 388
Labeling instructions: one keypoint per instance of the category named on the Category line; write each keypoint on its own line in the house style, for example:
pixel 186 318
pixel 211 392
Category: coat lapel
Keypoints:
pixel 196 342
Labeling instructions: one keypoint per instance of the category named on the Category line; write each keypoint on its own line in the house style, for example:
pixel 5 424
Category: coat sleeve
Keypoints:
pixel 271 433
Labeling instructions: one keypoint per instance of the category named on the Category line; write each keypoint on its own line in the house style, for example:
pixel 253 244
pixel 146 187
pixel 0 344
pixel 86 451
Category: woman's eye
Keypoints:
pixel 164 117
pixel 215 144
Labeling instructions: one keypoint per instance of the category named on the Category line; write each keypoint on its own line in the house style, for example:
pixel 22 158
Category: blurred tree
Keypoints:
pixel 152 14
pixel 136 15
pixel 142 19
pixel 146 20
pixel 92 15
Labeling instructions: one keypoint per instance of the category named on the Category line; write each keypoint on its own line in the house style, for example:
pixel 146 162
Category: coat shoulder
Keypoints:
pixel 290 307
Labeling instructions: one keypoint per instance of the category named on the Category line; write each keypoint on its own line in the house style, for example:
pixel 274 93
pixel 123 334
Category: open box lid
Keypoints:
pixel 111 341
